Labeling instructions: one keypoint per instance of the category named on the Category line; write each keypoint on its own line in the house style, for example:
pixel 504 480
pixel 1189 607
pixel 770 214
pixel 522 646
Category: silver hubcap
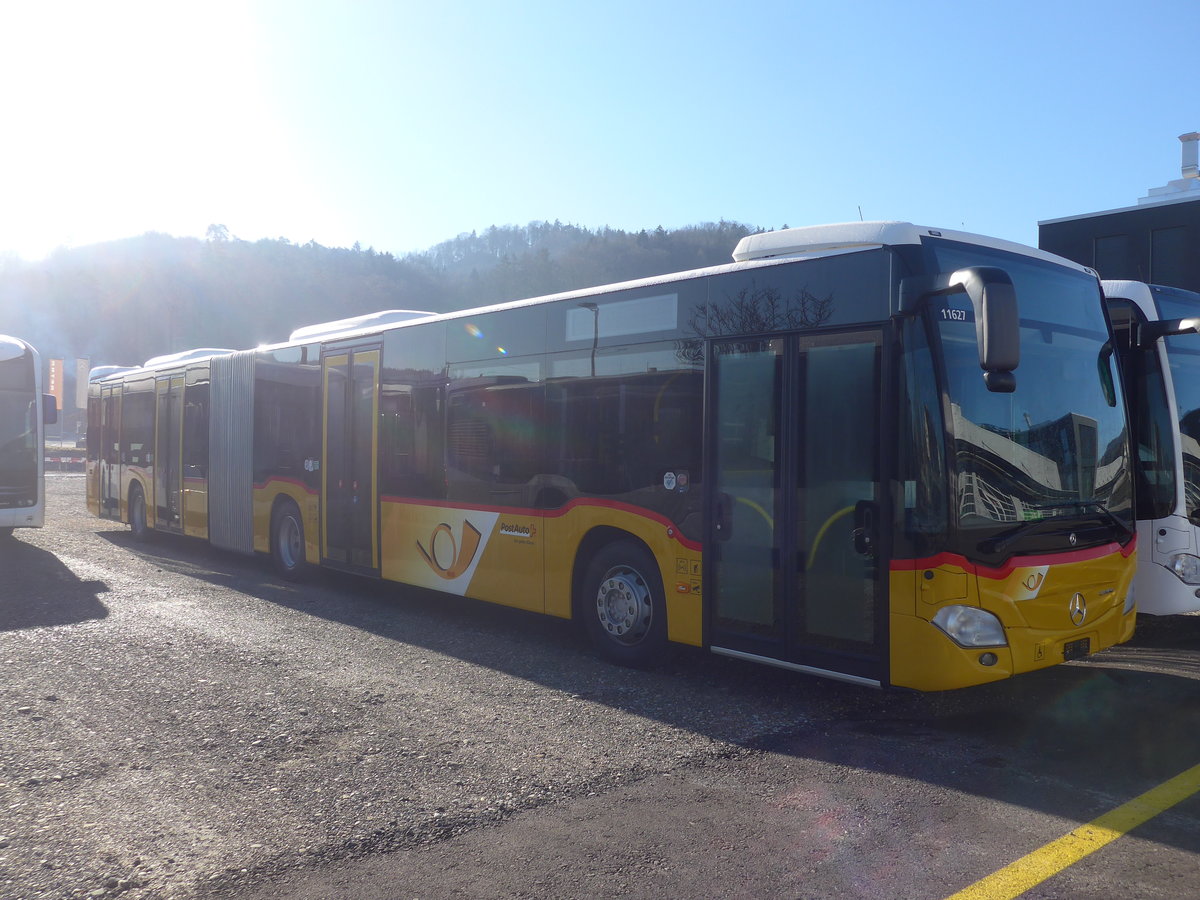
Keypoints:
pixel 290 545
pixel 624 606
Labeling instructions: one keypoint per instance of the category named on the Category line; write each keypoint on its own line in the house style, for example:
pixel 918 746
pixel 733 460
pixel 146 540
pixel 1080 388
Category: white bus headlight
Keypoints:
pixel 969 626
pixel 1129 600
pixel 1186 568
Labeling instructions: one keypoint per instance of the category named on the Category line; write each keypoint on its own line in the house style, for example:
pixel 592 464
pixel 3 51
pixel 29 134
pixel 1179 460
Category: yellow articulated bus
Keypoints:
pixel 877 452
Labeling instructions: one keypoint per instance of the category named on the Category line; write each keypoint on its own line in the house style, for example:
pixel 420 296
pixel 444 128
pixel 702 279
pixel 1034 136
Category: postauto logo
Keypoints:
pixel 450 558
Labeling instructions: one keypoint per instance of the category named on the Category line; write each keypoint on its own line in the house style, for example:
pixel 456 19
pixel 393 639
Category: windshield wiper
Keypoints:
pixel 1092 506
pixel 1000 542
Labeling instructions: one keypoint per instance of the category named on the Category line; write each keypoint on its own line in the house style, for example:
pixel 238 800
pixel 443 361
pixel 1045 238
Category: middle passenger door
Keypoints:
pixel 350 501
pixel 796 501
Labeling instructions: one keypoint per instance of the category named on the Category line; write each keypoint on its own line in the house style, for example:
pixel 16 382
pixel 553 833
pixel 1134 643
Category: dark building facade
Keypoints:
pixel 1157 241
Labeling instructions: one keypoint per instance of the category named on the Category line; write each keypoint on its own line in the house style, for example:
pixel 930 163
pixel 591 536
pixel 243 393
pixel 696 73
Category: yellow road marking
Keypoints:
pixel 1018 877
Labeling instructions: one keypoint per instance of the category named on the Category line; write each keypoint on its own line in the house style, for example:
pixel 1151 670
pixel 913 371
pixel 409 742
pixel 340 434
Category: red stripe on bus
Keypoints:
pixel 1016 562
pixel 672 528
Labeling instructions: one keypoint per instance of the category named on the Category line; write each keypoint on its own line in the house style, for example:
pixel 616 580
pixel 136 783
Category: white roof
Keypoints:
pixel 851 236
pixel 356 323
pixel 11 347
pixel 171 359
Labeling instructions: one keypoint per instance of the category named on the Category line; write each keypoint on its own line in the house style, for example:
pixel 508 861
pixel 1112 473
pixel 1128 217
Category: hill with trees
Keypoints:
pixel 124 301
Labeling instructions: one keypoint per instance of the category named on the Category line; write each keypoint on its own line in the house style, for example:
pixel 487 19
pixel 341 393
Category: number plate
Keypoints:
pixel 1077 649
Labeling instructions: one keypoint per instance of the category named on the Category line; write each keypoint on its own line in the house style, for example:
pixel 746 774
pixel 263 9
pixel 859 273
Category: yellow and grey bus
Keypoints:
pixel 882 453
pixel 24 411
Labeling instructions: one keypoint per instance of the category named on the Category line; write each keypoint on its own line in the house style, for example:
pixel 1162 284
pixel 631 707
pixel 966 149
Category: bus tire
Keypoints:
pixel 623 607
pixel 287 542
pixel 138 525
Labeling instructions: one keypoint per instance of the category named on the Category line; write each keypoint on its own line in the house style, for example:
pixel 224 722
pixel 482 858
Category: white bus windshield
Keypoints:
pixel 1183 356
pixel 18 433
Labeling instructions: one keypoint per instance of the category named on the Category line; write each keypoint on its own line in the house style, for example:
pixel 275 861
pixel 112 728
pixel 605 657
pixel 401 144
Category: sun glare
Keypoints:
pixel 136 117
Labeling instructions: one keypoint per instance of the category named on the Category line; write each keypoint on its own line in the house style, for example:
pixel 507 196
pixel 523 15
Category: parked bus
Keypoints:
pixel 24 411
pixel 1159 353
pixel 875 452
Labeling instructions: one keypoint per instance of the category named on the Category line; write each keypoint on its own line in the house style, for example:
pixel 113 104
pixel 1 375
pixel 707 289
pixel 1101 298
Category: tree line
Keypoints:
pixel 122 302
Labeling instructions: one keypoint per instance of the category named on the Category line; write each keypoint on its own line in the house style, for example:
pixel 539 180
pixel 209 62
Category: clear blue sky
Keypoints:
pixel 399 125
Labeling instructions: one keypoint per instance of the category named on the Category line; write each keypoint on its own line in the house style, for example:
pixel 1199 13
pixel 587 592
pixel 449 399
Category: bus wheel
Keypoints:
pixel 287 542
pixel 622 605
pixel 137 514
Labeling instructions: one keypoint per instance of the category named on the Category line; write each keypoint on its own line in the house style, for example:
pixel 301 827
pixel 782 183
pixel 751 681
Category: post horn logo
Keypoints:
pixel 1034 581
pixel 446 556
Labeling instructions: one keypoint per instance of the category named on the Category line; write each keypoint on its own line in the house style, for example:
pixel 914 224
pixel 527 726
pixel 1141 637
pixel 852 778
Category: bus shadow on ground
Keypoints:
pixel 1071 739
pixel 38 591
pixel 1182 632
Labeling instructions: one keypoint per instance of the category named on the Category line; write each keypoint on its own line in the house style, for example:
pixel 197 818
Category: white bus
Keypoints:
pixel 1159 351
pixel 24 410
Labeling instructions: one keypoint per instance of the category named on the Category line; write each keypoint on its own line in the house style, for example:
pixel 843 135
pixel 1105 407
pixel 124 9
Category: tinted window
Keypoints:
pixel 626 423
pixel 495 335
pixel 1151 428
pixel 618 318
pixel 494 446
pixel 411 425
pixel 287 411
pixel 814 293
pixel 195 431
pixel 923 446
pixel 137 426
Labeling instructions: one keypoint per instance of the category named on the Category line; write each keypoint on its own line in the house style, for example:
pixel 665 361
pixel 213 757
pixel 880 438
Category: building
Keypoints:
pixel 1157 241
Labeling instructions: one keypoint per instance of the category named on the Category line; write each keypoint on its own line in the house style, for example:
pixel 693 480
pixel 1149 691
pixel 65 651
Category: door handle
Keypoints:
pixel 866 513
pixel 723 517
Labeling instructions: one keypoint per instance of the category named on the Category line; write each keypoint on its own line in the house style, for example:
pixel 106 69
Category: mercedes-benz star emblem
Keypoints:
pixel 1074 540
pixel 1078 609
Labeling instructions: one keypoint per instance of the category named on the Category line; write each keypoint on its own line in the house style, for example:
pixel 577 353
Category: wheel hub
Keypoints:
pixel 623 605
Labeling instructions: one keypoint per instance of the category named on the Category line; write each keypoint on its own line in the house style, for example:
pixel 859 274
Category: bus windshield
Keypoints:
pixel 18 430
pixel 1045 467
pixel 1183 356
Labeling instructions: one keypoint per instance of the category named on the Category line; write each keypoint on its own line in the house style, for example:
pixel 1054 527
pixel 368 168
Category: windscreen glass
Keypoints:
pixel 1047 466
pixel 19 412
pixel 1183 356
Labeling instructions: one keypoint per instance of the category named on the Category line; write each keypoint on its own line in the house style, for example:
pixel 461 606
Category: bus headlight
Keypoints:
pixel 969 626
pixel 1129 600
pixel 1186 568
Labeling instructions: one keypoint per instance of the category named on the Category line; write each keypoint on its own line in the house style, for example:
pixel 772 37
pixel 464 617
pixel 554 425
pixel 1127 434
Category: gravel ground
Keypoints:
pixel 173 717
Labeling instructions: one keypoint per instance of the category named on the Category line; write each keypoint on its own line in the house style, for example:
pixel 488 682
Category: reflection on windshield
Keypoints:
pixel 1184 355
pixel 18 444
pixel 1055 447
pixel 1021 455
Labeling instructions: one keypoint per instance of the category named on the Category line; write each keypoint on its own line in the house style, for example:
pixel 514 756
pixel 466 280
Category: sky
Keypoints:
pixel 399 125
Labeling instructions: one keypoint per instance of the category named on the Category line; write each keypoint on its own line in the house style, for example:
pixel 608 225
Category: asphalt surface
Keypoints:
pixel 175 723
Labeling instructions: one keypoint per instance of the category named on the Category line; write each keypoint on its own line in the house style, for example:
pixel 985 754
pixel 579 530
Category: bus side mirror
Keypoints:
pixel 49 410
pixel 1104 367
pixel 1149 332
pixel 997 323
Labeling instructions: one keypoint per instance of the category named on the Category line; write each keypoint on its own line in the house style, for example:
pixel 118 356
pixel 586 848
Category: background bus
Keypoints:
pixel 24 410
pixel 875 452
pixel 1160 364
